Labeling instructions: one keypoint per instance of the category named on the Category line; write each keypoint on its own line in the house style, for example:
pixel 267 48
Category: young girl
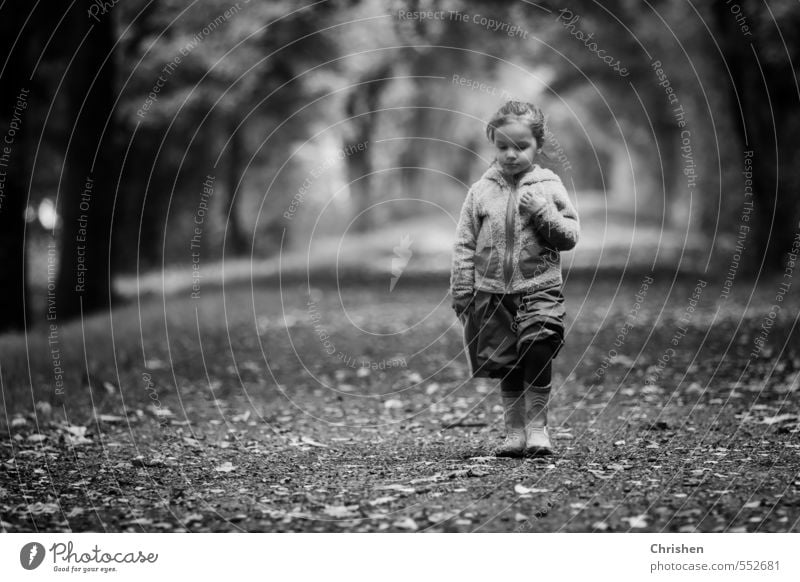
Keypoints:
pixel 506 275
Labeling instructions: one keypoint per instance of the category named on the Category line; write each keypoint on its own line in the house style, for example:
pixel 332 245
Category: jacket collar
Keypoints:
pixel 495 174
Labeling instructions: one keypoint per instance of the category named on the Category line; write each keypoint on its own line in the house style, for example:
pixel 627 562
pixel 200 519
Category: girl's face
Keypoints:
pixel 515 148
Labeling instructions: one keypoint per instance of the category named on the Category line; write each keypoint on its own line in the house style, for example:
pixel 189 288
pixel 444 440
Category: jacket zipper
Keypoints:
pixel 509 255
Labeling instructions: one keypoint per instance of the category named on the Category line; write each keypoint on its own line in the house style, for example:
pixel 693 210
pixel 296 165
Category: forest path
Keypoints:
pixel 195 431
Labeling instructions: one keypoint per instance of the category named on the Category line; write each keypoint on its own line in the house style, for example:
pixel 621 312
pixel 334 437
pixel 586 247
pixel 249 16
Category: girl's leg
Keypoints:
pixel 513 396
pixel 537 360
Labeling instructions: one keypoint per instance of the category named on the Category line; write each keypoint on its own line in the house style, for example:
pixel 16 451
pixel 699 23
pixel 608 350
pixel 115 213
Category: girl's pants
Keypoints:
pixel 514 336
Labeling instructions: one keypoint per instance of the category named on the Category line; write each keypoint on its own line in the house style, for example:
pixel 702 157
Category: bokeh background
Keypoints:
pixel 225 241
pixel 651 109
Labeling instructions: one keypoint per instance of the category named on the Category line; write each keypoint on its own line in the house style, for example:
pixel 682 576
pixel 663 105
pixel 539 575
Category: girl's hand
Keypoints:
pixel 530 203
pixel 462 304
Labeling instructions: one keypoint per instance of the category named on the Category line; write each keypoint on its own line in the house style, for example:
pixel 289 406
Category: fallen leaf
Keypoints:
pixel 341 510
pixel 139 521
pixel 599 474
pixel 778 419
pixel 311 442
pixel 74 440
pixel 44 408
pixel 396 487
pixel 522 490
pixel 40 508
pixel 441 516
pixel 244 417
pixel 406 523
pixel 637 521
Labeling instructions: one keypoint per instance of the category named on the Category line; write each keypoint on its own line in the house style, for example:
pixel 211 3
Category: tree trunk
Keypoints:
pixel 14 167
pixel 360 108
pixel 235 238
pixel 764 112
pixel 91 170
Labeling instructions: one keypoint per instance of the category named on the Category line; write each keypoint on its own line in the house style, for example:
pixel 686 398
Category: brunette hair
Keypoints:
pixel 525 112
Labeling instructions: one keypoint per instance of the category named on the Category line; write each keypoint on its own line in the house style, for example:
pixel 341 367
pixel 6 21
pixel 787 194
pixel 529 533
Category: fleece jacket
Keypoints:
pixel 510 234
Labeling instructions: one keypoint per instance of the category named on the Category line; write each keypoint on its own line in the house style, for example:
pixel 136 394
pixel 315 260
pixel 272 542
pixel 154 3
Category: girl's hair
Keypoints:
pixel 525 112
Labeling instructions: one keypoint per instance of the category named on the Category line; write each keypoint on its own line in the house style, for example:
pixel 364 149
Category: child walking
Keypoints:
pixel 506 275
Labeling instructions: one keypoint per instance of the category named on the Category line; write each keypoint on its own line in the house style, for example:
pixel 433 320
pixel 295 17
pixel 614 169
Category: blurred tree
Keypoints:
pixel 361 110
pixel 235 73
pixel 15 70
pixel 765 105
pixel 92 167
pixel 626 105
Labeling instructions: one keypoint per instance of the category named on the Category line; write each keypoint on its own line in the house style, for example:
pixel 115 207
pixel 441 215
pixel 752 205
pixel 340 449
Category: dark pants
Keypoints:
pixel 514 336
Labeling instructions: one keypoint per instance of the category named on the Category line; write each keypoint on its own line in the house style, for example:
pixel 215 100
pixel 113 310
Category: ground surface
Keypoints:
pixel 260 416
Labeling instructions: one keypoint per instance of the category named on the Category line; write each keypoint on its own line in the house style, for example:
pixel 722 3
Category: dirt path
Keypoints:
pixel 318 442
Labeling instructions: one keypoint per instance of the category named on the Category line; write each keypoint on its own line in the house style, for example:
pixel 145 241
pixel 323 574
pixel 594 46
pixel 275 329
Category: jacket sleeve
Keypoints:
pixel 462 272
pixel 556 220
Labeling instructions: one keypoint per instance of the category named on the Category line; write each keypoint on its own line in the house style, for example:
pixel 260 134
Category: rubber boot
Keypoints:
pixel 514 419
pixel 537 439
